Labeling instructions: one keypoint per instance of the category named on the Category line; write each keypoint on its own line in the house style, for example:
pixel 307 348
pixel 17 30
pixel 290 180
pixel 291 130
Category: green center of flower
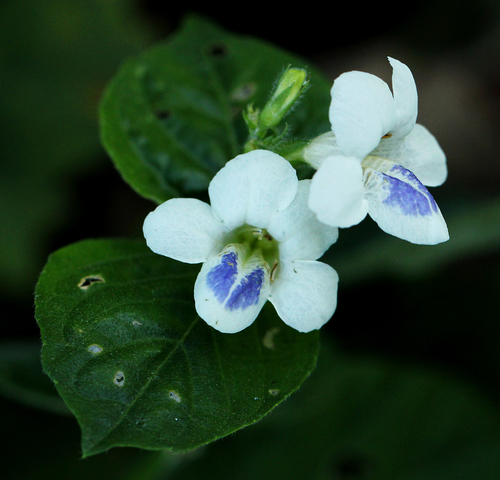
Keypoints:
pixel 255 244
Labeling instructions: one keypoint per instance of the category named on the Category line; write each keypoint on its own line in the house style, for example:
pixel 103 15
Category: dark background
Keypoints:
pixel 58 186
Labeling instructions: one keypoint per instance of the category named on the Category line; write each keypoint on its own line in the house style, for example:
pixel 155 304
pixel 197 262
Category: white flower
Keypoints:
pixel 376 160
pixel 257 240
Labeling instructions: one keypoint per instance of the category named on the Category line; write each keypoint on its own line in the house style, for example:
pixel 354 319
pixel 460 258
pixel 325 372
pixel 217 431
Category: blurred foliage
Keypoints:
pixel 22 378
pixel 357 417
pixel 360 417
pixel 413 390
pixel 173 115
pixel 57 56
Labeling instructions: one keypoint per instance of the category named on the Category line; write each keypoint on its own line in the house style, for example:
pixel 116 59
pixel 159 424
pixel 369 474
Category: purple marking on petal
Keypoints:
pixel 409 194
pixel 247 292
pixel 220 278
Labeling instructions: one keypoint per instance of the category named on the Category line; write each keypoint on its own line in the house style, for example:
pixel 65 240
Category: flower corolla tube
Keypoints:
pixel 377 160
pixel 257 241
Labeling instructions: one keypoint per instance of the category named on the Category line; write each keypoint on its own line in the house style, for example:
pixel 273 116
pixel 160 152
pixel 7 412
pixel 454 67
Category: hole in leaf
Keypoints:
pixel 174 396
pixel 119 379
pixel 86 282
pixel 352 467
pixel 163 114
pixel 217 50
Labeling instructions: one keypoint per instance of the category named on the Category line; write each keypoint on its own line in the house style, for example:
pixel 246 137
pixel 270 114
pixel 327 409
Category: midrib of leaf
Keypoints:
pixel 146 385
pixel 221 371
pixel 188 156
pixel 222 97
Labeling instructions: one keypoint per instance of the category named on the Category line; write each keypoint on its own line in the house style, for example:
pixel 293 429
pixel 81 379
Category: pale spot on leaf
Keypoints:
pixel 268 340
pixel 174 396
pixel 119 379
pixel 244 92
pixel 95 349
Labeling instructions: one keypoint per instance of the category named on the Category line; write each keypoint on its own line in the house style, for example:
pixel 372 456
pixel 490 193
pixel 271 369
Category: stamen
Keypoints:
pixel 274 269
pixel 258 233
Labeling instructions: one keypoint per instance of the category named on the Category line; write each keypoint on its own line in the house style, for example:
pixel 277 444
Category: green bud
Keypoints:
pixel 290 87
pixel 251 118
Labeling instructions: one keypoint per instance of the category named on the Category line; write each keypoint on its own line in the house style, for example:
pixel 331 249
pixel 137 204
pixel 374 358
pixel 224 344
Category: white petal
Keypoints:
pixel 251 188
pixel 183 229
pixel 403 207
pixel 301 235
pixel 337 194
pixel 419 152
pixel 305 294
pixel 320 148
pixel 425 158
pixel 361 112
pixel 228 293
pixel 405 98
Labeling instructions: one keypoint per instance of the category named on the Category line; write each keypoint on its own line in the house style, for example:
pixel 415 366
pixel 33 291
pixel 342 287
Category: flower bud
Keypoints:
pixel 289 88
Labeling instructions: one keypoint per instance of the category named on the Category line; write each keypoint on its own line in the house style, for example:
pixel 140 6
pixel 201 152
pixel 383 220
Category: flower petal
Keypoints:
pixel 305 294
pixel 183 229
pixel 251 188
pixel 361 112
pixel 419 152
pixel 403 207
pixel 301 235
pixel 337 194
pixel 320 148
pixel 230 292
pixel 405 98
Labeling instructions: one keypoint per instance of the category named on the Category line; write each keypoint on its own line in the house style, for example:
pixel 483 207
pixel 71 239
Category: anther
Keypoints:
pixel 273 271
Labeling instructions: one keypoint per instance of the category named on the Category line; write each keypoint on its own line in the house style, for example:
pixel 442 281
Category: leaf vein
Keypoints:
pixel 148 382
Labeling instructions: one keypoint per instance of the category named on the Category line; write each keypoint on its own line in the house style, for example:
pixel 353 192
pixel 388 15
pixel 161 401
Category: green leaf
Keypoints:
pixel 172 116
pixel 57 56
pixel 363 417
pixel 138 367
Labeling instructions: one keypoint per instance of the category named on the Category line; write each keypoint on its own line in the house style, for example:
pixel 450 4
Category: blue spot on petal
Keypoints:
pixel 410 195
pixel 247 292
pixel 220 278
